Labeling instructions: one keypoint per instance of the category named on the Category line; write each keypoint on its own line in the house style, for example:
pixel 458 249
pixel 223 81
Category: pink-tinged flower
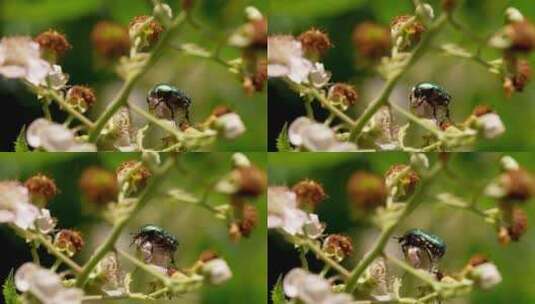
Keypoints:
pixel 231 125
pixel 313 136
pixel 318 76
pixel 283 213
pixel 217 271
pixel 20 58
pixel 15 205
pixel 54 137
pixel 285 59
pixel 45 285
pixel 491 125
pixel 311 289
pixel 486 275
pixel 44 222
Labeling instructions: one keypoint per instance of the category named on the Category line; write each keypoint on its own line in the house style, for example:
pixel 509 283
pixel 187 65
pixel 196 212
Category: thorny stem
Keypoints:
pixel 121 223
pixel 378 248
pixel 122 97
pixel 382 99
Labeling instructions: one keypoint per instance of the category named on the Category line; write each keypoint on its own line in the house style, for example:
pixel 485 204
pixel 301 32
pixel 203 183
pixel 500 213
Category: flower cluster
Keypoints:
pixel 387 201
pixel 132 51
pixel 392 51
pixel 118 197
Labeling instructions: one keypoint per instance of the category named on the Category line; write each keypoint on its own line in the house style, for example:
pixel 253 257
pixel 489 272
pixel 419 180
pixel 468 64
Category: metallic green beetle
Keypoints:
pixel 430 95
pixel 433 245
pixel 157 236
pixel 168 102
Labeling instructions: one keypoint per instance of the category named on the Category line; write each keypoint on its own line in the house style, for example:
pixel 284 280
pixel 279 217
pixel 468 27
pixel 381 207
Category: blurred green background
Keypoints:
pixel 464 233
pixel 196 229
pixel 206 82
pixel 467 82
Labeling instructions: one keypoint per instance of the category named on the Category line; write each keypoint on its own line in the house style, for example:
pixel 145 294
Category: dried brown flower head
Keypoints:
pixel 309 193
pixel 111 40
pixel 53 42
pixel 99 185
pixel 69 241
pixel 81 97
pixel 42 189
pixel 372 40
pixel 338 246
pixel 343 93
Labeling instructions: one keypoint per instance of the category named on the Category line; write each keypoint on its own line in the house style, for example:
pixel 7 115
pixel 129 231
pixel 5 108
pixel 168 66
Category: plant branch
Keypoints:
pixel 121 223
pixel 382 99
pixel 122 97
pixel 379 245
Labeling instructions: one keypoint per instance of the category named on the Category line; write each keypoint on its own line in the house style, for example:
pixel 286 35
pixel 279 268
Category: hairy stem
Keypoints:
pixel 109 243
pixel 382 99
pixel 122 97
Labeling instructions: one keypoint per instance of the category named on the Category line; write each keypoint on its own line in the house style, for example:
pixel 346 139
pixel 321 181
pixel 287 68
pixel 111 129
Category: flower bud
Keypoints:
pixel 522 75
pixel 248 219
pixel 486 275
pixel 146 29
pixel 134 173
pixel 41 188
pixel 99 185
pixel 488 122
pixel 521 35
pixel 518 223
pixel 519 185
pixel 343 95
pixel 69 241
pixel 187 4
pixel 309 194
pixel 81 98
pixel 208 255
pixel 260 76
pixel 110 40
pixel 315 43
pixel 449 5
pixel 406 35
pixel 372 40
pixel 366 191
pixel 477 260
pixel 231 125
pixel 513 15
pixel 53 44
pixel 216 271
pixel 251 181
pixel 338 246
pixel 404 185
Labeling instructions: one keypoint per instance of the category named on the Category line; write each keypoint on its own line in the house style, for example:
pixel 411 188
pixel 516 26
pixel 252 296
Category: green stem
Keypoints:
pixel 35 255
pixel 420 274
pixel 54 251
pixel 69 109
pixel 46 110
pixel 179 135
pixel 145 267
pixel 439 134
pixel 133 296
pixel 303 258
pixel 122 97
pixel 121 223
pixel 379 245
pixel 382 99
pixel 56 265
pixel 322 256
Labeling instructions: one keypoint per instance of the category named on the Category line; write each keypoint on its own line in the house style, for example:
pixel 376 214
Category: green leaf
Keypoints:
pixel 9 291
pixel 20 143
pixel 313 8
pixel 47 11
pixel 283 142
pixel 277 294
